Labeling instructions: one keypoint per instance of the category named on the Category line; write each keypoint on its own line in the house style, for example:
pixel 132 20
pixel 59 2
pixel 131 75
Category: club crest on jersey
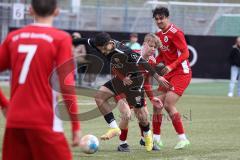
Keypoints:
pixel 117 60
pixel 134 56
pixel 165 39
pixel 138 99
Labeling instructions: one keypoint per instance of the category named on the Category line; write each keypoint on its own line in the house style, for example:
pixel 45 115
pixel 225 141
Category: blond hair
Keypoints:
pixel 152 37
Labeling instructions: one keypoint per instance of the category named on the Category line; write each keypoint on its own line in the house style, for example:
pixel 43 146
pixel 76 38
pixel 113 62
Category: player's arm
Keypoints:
pixel 156 102
pixel 180 42
pixel 4 103
pixel 148 87
pixel 85 41
pixel 65 68
pixel 118 74
pixel 4 65
pixel 143 64
pixel 4 56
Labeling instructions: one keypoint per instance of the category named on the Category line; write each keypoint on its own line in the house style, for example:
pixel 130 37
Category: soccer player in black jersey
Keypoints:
pixel 127 68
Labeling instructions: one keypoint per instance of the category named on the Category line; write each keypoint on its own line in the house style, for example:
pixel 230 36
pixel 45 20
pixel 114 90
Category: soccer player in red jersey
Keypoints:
pixel 174 54
pixel 151 42
pixel 3 102
pixel 33 131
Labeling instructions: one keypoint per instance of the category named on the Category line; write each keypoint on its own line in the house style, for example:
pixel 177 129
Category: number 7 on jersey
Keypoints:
pixel 30 50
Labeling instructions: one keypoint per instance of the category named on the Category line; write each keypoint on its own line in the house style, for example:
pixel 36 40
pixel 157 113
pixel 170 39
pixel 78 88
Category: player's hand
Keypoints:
pixel 166 70
pixel 157 102
pixel 163 82
pixel 127 81
pixel 76 138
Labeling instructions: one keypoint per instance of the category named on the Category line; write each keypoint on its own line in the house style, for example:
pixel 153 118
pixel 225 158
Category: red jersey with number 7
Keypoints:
pixel 174 51
pixel 32 53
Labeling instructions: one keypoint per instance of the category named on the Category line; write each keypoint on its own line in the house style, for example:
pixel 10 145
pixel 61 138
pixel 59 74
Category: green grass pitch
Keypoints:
pixel 211 120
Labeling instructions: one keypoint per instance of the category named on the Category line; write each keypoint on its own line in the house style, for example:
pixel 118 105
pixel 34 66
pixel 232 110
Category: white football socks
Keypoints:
pixel 147 133
pixel 182 137
pixel 113 124
pixel 156 137
pixel 123 142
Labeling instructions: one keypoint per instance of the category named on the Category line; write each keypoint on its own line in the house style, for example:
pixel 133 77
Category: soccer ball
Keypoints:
pixel 89 144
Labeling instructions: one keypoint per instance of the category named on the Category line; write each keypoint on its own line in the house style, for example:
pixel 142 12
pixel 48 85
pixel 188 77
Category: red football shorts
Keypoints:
pixel 37 144
pixel 179 81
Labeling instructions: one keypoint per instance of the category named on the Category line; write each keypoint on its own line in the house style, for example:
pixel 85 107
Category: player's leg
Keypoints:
pixel 48 145
pixel 144 124
pixel 142 141
pixel 136 99
pixel 125 112
pixel 102 96
pixel 156 124
pixel 15 145
pixel 180 83
pixel 234 74
pixel 170 106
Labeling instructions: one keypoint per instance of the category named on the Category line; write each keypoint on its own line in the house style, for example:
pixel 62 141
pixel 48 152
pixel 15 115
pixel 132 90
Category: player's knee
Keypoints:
pixel 125 110
pixel 142 117
pixel 126 116
pixel 167 107
pixel 99 100
pixel 157 110
pixel 170 109
pixel 168 103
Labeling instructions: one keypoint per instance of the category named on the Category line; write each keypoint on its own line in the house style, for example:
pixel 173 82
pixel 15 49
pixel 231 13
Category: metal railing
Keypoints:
pixel 194 18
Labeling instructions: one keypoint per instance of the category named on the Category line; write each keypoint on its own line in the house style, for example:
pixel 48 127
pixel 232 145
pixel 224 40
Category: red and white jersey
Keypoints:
pixel 3 100
pixel 171 52
pixel 32 53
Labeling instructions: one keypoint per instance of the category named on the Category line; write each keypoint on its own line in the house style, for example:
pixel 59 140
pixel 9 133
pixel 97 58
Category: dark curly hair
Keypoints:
pixel 162 11
pixel 102 38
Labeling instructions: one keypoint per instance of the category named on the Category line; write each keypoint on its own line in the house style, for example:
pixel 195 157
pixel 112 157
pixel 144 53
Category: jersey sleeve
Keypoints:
pixel 142 63
pixel 4 56
pixel 181 45
pixel 83 41
pixel 65 68
pixel 179 40
pixel 3 100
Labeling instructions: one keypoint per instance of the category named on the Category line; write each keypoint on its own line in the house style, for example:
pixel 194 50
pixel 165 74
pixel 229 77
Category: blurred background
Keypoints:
pixel 211 117
pixel 211 27
pixel 221 17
